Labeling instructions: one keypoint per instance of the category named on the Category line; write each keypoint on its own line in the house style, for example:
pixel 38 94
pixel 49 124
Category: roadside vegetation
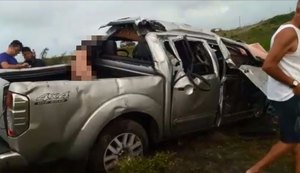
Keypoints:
pixel 62 59
pixel 260 32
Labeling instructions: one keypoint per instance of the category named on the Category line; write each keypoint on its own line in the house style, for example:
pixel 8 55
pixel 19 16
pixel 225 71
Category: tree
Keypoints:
pixel 44 53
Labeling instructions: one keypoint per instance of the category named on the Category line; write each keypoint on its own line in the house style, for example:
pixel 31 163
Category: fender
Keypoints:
pixel 109 111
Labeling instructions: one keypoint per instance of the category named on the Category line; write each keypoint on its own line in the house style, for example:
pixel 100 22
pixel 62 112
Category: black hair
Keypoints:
pixel 26 49
pixel 16 43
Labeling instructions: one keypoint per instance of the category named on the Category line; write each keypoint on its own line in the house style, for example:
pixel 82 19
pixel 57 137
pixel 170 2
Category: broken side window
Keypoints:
pixel 172 57
pixel 129 36
pixel 240 55
pixel 125 48
pixel 202 63
pixel 221 60
pixel 126 44
pixel 194 57
pixel 131 51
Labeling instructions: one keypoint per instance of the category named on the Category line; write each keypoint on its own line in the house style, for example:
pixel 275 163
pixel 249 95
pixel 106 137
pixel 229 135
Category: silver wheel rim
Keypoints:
pixel 125 144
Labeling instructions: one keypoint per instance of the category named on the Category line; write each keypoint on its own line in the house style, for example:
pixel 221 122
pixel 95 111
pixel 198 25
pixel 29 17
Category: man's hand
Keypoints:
pixel 23 65
pixel 5 65
pixel 297 90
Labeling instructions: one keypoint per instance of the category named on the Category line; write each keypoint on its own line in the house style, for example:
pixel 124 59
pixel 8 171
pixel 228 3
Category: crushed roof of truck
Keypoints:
pixel 158 25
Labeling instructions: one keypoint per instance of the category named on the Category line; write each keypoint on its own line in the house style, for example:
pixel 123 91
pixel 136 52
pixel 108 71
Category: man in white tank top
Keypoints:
pixel 283 67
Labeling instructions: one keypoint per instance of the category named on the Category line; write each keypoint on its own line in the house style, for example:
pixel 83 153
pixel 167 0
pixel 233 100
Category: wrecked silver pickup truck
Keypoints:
pixel 153 80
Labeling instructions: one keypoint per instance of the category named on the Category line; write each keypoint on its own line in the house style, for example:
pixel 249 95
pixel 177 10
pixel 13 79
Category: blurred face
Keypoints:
pixel 27 55
pixel 14 51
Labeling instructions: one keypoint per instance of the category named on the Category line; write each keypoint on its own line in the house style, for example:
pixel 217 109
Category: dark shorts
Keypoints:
pixel 289 119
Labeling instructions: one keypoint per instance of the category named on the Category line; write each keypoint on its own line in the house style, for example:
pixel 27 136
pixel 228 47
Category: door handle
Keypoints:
pixel 188 89
pixel 181 89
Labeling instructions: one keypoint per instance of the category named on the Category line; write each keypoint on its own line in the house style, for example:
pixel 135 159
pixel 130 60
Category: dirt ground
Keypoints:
pixel 230 149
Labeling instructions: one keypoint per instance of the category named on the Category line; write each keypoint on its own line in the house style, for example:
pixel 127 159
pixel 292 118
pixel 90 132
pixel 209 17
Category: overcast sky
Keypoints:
pixel 61 25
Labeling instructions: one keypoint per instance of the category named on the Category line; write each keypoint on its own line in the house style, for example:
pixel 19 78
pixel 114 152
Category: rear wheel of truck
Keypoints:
pixel 122 138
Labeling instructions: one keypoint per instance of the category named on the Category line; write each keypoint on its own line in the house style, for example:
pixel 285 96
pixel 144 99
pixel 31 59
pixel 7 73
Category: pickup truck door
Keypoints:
pixel 196 85
pixel 254 73
pixel 3 133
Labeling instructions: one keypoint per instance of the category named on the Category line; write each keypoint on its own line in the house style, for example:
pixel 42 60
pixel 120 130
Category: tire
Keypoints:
pixel 109 144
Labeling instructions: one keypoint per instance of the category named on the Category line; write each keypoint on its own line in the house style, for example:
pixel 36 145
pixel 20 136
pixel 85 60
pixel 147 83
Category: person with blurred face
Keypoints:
pixel 29 57
pixel 8 60
pixel 282 64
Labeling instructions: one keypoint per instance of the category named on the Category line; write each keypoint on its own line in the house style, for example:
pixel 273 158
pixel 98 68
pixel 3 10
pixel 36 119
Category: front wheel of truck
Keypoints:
pixel 121 139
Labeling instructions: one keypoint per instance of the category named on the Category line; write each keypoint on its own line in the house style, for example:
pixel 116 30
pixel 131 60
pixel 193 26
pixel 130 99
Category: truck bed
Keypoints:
pixel 55 72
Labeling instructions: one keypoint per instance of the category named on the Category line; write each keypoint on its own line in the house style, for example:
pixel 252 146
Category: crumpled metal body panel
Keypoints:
pixel 74 108
pixel 184 29
pixel 167 26
pixel 257 76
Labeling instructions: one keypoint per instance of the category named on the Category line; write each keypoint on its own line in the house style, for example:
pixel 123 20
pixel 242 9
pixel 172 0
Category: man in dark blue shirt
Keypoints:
pixel 29 57
pixel 8 60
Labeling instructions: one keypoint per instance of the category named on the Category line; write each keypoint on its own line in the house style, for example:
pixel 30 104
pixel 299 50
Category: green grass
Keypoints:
pixel 225 150
pixel 234 155
pixel 220 151
pixel 215 151
pixel 260 32
pixel 160 162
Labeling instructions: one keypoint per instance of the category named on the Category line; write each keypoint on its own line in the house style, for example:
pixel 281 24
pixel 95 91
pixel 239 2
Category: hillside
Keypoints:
pixel 260 32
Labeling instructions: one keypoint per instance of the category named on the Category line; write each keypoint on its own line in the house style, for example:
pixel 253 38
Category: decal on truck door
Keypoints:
pixel 50 98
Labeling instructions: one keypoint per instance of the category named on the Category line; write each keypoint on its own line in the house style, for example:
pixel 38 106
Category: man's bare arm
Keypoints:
pixel 285 42
pixel 5 65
